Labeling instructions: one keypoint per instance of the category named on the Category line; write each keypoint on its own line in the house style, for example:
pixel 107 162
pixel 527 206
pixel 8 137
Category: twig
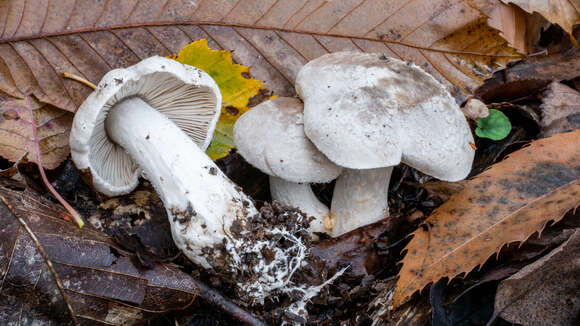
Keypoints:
pixel 73 213
pixel 79 79
pixel 213 297
pixel 44 256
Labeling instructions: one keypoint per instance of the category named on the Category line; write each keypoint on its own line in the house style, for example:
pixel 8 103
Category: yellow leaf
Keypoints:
pixel 235 88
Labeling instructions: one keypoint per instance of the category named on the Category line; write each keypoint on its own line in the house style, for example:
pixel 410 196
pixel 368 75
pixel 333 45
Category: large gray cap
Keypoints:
pixel 366 111
pixel 271 137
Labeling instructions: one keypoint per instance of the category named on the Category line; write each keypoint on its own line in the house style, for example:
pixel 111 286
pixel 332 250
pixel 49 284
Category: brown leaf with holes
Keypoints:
pixel 41 39
pixel 17 134
pixel 89 279
pixel 507 203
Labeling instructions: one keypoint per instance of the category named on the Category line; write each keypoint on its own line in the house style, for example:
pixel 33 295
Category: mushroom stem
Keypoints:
pixel 360 197
pixel 301 195
pixel 201 202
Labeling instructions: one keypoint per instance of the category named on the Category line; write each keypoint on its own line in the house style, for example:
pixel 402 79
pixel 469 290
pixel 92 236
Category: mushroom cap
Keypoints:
pixel 271 137
pixel 186 95
pixel 365 110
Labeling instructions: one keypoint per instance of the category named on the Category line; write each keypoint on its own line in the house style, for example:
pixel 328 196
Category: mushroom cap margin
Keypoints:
pixel 90 116
pixel 271 137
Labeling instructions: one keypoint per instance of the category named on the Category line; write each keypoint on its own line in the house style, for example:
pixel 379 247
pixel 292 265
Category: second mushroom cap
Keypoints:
pixel 366 110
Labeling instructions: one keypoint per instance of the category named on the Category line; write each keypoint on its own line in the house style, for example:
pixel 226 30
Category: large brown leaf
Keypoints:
pixel 41 39
pixel 507 203
pixel 51 270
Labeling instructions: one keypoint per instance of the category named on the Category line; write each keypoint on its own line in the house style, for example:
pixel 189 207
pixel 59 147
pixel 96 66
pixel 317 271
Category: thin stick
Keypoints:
pixel 79 79
pixel 74 214
pixel 214 298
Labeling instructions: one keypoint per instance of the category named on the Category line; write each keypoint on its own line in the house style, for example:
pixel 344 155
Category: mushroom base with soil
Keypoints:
pixel 302 196
pixel 212 221
pixel 200 201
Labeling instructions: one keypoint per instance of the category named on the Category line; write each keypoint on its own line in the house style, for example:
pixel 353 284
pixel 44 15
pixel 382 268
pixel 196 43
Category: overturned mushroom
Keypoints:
pixel 271 138
pixel 142 119
pixel 368 112
pixel 135 121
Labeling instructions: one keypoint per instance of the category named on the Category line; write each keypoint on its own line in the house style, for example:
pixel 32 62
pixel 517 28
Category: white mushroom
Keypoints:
pixel 368 112
pixel 137 119
pixel 185 95
pixel 271 137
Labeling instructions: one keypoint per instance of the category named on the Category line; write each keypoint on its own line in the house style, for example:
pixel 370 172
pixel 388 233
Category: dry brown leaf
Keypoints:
pixel 507 203
pixel 546 291
pixel 560 109
pixel 511 21
pixel 565 13
pixel 16 132
pixel 41 39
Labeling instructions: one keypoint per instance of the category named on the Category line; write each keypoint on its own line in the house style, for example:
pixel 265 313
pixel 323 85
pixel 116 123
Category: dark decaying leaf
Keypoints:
pixel 546 291
pixel 560 109
pixel 530 75
pixel 356 249
pixel 99 282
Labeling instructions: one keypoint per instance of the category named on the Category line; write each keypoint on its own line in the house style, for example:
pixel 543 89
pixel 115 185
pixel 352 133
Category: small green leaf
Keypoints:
pixel 495 126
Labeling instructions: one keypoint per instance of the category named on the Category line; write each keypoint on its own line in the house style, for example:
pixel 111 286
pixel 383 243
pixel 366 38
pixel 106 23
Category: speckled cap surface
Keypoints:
pixel 365 110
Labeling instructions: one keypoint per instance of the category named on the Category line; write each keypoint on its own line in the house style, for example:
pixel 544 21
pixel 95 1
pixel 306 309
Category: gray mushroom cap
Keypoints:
pixel 368 111
pixel 271 137
pixel 186 95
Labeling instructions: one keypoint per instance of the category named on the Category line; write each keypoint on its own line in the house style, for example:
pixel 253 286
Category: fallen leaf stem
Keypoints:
pixel 73 213
pixel 79 79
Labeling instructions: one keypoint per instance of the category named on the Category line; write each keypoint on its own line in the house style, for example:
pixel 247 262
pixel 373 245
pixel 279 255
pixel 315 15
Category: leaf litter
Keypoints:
pixel 275 53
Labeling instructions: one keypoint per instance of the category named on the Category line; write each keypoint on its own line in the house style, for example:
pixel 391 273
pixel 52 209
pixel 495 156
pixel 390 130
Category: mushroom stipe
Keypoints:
pixel 155 119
